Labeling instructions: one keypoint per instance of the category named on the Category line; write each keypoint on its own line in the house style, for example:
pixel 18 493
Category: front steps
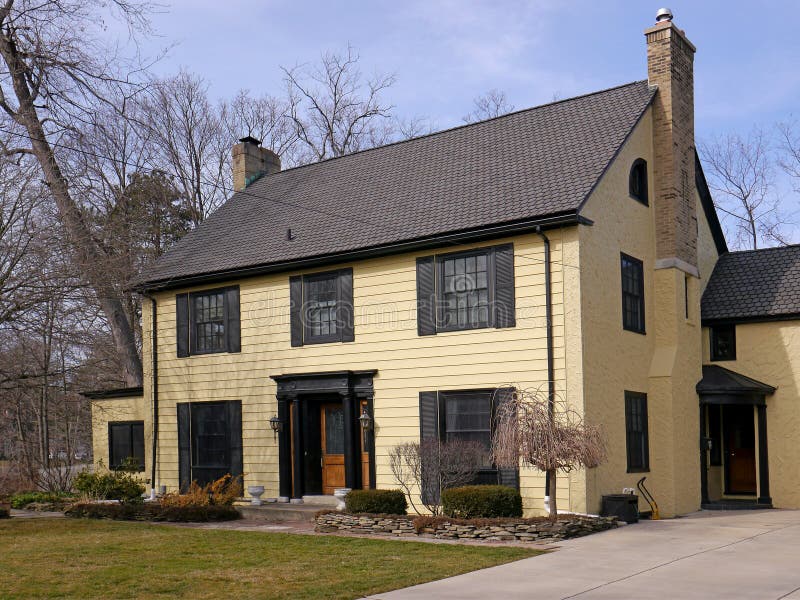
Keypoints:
pixel 283 512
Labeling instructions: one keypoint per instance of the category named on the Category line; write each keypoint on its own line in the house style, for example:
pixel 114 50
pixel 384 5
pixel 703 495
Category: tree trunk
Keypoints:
pixel 553 492
pixel 84 248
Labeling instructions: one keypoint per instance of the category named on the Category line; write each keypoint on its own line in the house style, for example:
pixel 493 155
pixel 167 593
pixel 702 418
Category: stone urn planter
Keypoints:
pixel 255 491
pixel 340 494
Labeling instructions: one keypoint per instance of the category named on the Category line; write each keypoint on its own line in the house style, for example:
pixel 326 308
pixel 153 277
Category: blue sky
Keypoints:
pixel 446 52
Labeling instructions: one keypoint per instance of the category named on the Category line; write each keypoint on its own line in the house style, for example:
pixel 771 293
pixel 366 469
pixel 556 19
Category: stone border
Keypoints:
pixel 521 530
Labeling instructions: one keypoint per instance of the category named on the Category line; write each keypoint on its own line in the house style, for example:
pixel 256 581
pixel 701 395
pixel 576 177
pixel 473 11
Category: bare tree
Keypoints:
pixel 55 73
pixel 789 132
pixel 264 118
pixel 549 436
pixel 741 171
pixel 334 109
pixel 194 147
pixel 493 103
pixel 423 469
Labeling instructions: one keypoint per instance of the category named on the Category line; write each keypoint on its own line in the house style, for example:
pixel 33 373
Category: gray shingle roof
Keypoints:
pixel 719 380
pixel 754 284
pixel 533 163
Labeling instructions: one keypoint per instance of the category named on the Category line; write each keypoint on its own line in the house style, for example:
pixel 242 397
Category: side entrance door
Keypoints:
pixel 740 449
pixel 332 432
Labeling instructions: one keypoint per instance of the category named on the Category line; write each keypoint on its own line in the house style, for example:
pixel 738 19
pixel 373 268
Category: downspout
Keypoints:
pixel 551 378
pixel 154 338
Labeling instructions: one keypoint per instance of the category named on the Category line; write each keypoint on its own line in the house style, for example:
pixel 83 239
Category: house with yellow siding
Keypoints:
pixel 329 312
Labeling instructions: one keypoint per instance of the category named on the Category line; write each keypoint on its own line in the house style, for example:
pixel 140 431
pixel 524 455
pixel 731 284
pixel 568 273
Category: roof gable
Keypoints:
pixel 530 164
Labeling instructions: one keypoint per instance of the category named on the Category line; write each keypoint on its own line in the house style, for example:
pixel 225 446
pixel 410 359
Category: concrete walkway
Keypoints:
pixel 731 555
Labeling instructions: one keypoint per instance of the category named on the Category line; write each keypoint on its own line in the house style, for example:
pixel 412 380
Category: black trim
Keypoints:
pixel 638 171
pixel 750 319
pixel 763 457
pixel 464 236
pixel 129 392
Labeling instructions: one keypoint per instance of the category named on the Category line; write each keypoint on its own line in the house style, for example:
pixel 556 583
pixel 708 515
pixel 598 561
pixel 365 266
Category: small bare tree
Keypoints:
pixel 430 466
pixel 547 435
pixel 741 172
pixel 493 103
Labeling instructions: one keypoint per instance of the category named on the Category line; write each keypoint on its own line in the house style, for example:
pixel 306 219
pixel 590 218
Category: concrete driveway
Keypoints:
pixel 730 555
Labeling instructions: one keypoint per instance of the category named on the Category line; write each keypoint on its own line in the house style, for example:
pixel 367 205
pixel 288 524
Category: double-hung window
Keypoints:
pixel 126 445
pixel 466 290
pixel 632 294
pixel 321 307
pixel 208 321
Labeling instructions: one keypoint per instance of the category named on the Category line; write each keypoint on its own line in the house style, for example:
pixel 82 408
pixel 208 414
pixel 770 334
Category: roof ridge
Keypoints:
pixel 456 128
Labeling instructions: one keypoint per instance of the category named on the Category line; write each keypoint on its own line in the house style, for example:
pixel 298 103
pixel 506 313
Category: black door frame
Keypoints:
pixel 293 390
pixel 762 458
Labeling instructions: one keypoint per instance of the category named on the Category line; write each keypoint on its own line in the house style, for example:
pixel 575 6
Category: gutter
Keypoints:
pixel 472 235
pixel 154 356
pixel 551 378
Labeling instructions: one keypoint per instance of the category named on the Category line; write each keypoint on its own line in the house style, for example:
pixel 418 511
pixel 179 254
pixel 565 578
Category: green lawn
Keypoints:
pixel 66 558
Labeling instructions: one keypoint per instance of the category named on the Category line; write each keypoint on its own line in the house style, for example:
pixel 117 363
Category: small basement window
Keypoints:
pixel 723 342
pixel 637 184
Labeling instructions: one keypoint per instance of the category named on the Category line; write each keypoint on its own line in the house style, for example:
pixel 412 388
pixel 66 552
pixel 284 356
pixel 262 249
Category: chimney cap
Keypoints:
pixel 664 14
pixel 249 139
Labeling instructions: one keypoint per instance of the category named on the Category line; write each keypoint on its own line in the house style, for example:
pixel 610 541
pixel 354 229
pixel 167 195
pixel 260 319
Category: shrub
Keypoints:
pixel 481 501
pixel 152 512
pixel 222 492
pixel 110 485
pixel 25 498
pixel 389 502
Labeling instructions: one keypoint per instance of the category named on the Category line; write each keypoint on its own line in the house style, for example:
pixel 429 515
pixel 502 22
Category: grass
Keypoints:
pixel 66 558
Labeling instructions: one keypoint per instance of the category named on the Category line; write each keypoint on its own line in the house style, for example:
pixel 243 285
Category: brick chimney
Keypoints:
pixel 251 161
pixel 670 58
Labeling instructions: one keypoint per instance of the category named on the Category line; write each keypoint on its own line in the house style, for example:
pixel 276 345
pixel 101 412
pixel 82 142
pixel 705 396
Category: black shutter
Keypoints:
pixel 509 477
pixel 344 308
pixel 233 325
pixel 182 324
pixel 235 437
pixel 504 296
pixel 296 309
pixel 428 430
pixel 184 446
pixel 426 296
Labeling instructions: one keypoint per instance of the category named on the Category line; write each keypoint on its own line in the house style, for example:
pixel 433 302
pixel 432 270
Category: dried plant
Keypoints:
pixel 224 491
pixel 430 466
pixel 550 436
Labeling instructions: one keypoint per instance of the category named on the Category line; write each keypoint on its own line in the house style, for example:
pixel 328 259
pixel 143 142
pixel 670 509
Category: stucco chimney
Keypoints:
pixel 670 66
pixel 251 161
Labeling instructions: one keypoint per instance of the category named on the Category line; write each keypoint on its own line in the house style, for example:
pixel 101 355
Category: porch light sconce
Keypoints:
pixel 365 420
pixel 276 425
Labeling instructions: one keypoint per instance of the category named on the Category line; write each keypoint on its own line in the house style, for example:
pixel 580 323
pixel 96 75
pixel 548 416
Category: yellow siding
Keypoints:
pixel 664 363
pixel 770 352
pixel 385 339
pixel 132 408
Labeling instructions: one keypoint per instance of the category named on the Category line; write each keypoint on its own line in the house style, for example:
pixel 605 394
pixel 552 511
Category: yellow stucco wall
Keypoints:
pixel 130 408
pixel 664 363
pixel 770 352
pixel 385 339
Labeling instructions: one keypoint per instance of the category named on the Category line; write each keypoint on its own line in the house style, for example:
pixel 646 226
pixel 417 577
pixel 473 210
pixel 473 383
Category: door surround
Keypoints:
pixel 353 388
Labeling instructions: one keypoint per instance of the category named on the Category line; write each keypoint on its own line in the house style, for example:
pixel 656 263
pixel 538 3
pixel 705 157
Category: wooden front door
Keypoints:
pixel 740 450
pixel 332 433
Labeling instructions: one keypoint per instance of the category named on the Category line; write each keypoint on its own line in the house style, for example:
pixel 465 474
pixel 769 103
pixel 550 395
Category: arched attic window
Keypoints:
pixel 637 184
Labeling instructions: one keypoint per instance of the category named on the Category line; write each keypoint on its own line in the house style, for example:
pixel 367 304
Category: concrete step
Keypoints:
pixel 280 512
pixel 326 501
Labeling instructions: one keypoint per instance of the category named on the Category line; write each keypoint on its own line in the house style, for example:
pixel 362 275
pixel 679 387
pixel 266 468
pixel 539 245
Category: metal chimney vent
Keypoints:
pixel 663 14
